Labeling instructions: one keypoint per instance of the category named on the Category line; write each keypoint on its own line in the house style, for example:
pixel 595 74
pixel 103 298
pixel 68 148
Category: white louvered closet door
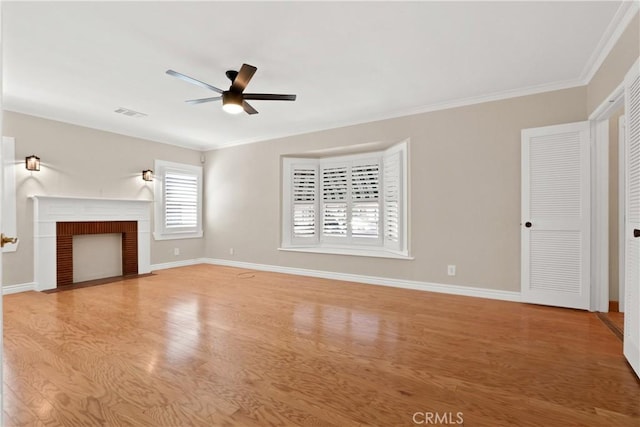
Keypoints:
pixel 555 219
pixel 632 220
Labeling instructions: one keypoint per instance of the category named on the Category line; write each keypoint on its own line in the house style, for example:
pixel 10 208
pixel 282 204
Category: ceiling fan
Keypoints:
pixel 234 100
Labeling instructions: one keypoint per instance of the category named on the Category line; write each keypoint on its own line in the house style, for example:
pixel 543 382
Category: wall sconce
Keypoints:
pixel 147 175
pixel 32 162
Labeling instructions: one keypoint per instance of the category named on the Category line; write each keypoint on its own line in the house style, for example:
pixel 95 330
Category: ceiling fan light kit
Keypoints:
pixel 234 100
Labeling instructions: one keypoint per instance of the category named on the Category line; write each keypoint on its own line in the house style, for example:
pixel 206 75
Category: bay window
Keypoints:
pixel 355 204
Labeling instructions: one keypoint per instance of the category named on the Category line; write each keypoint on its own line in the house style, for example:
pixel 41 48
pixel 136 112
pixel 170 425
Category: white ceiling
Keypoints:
pixel 348 62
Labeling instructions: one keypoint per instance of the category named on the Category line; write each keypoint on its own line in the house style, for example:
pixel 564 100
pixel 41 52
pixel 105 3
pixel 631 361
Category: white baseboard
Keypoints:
pixel 24 287
pixel 174 264
pixel 373 280
pixel 20 287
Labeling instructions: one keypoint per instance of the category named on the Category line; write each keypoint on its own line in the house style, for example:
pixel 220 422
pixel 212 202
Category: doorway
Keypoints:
pixel 628 92
pixel 608 202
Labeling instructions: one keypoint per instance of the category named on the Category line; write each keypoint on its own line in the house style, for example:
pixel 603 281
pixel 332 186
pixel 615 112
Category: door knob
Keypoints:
pixel 636 232
pixel 4 240
pixel 528 224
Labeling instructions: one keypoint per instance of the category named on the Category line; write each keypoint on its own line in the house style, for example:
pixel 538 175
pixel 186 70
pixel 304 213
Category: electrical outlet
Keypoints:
pixel 451 270
pixel 231 251
pixel 176 251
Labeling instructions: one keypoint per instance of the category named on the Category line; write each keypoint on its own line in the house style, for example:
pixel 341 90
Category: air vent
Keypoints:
pixel 128 112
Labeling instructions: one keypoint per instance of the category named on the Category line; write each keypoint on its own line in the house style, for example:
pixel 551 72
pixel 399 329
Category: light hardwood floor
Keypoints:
pixel 617 319
pixel 205 345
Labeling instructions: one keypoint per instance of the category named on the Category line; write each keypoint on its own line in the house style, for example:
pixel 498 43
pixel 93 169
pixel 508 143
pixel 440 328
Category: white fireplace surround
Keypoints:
pixel 47 210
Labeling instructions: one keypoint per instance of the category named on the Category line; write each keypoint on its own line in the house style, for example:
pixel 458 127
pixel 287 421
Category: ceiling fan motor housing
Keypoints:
pixel 231 75
pixel 231 97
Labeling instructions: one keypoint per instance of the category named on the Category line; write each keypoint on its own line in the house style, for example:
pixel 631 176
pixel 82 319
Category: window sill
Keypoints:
pixel 176 236
pixel 375 253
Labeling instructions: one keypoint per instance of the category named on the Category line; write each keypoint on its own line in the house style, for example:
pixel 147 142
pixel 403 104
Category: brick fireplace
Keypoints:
pixel 64 245
pixel 58 219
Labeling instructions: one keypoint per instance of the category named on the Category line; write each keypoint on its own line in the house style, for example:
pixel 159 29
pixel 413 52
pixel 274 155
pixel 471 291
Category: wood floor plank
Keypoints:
pixel 617 318
pixel 16 413
pixel 207 345
pixel 59 381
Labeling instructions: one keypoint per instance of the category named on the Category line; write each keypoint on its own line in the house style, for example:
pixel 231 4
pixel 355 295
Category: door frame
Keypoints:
pixel 622 208
pixel 1 198
pixel 599 119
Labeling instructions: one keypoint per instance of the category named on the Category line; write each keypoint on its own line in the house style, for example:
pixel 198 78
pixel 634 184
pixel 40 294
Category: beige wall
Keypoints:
pixel 610 74
pixel 465 183
pixel 615 67
pixel 464 186
pixel 96 256
pixel 83 162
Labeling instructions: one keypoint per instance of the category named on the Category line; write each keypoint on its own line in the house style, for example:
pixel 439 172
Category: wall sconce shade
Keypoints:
pixel 32 162
pixel 147 175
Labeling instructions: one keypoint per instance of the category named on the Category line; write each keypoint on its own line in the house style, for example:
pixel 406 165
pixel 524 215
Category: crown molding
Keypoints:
pixel 457 103
pixel 618 24
pixel 623 16
pixel 625 13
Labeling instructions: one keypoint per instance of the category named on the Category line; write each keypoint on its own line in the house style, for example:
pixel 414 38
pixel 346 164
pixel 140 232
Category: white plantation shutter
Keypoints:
pixel 178 200
pixel 305 182
pixel 365 219
pixel 181 200
pixel 346 202
pixel 365 181
pixel 392 167
pixel 334 200
pixel 365 200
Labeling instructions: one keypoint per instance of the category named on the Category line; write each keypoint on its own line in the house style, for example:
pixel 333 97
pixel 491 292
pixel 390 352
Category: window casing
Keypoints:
pixel 354 204
pixel 178 200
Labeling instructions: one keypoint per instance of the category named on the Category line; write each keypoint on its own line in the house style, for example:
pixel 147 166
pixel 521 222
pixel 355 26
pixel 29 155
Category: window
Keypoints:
pixel 352 204
pixel 178 201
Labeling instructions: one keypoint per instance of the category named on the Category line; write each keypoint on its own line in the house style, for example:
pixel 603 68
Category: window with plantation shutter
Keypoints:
pixel 353 204
pixel 392 197
pixel 178 200
pixel 305 181
pixel 334 200
pixel 365 200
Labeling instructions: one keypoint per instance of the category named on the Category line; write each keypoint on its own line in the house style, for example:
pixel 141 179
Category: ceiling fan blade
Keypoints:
pixel 242 79
pixel 269 97
pixel 203 100
pixel 193 81
pixel 248 108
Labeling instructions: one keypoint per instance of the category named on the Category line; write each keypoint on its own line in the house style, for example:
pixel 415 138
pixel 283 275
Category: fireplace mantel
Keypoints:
pixel 49 210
